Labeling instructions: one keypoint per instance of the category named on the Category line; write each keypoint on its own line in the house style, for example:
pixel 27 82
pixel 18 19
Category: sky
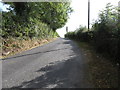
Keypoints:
pixel 3 7
pixel 80 14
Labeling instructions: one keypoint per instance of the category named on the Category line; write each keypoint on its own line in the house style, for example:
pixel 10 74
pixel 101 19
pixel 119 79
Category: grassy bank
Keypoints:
pixel 14 46
pixel 102 72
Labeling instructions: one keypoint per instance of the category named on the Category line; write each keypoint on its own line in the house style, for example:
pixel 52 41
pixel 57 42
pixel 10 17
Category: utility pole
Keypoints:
pixel 88 15
pixel 118 11
pixel 67 29
pixel 118 51
pixel 118 17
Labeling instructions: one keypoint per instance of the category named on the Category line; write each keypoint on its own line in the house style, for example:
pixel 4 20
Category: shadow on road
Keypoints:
pixel 68 73
pixel 58 75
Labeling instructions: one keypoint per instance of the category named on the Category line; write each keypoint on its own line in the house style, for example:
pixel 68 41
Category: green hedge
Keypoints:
pixel 104 34
pixel 16 27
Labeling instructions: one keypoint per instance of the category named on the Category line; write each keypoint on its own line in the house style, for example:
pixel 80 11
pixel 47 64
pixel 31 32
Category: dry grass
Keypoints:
pixel 102 72
pixel 14 46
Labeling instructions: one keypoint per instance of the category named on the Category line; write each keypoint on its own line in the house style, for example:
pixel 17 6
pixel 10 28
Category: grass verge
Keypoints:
pixel 102 72
pixel 15 46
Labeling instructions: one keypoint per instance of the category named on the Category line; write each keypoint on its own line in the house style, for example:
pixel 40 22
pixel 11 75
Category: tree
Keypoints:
pixel 32 19
pixel 55 14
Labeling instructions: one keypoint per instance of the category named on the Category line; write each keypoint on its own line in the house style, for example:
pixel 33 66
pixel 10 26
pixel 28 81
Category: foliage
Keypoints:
pixel 79 34
pixel 54 14
pixel 34 19
pixel 34 28
pixel 105 33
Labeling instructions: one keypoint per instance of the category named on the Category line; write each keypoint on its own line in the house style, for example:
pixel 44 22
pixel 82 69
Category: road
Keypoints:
pixel 58 64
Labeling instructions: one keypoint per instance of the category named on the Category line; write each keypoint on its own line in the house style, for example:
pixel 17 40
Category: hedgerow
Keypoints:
pixel 104 34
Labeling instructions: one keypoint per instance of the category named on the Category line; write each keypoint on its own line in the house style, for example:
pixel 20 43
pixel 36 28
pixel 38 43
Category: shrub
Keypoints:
pixel 105 34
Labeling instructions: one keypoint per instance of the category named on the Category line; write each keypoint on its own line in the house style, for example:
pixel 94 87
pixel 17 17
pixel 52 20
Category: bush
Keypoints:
pixel 105 34
pixel 80 34
pixel 18 28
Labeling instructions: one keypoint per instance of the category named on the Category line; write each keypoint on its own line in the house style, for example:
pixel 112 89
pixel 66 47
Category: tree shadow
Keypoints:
pixel 58 75
pixel 67 73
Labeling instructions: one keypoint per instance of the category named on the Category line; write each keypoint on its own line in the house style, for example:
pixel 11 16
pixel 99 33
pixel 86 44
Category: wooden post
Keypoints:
pixel 88 15
pixel 118 11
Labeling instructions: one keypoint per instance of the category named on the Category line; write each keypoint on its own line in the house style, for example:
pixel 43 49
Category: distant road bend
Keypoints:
pixel 58 64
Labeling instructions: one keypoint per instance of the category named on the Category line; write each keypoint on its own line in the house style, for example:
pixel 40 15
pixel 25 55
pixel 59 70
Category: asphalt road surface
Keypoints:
pixel 58 64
